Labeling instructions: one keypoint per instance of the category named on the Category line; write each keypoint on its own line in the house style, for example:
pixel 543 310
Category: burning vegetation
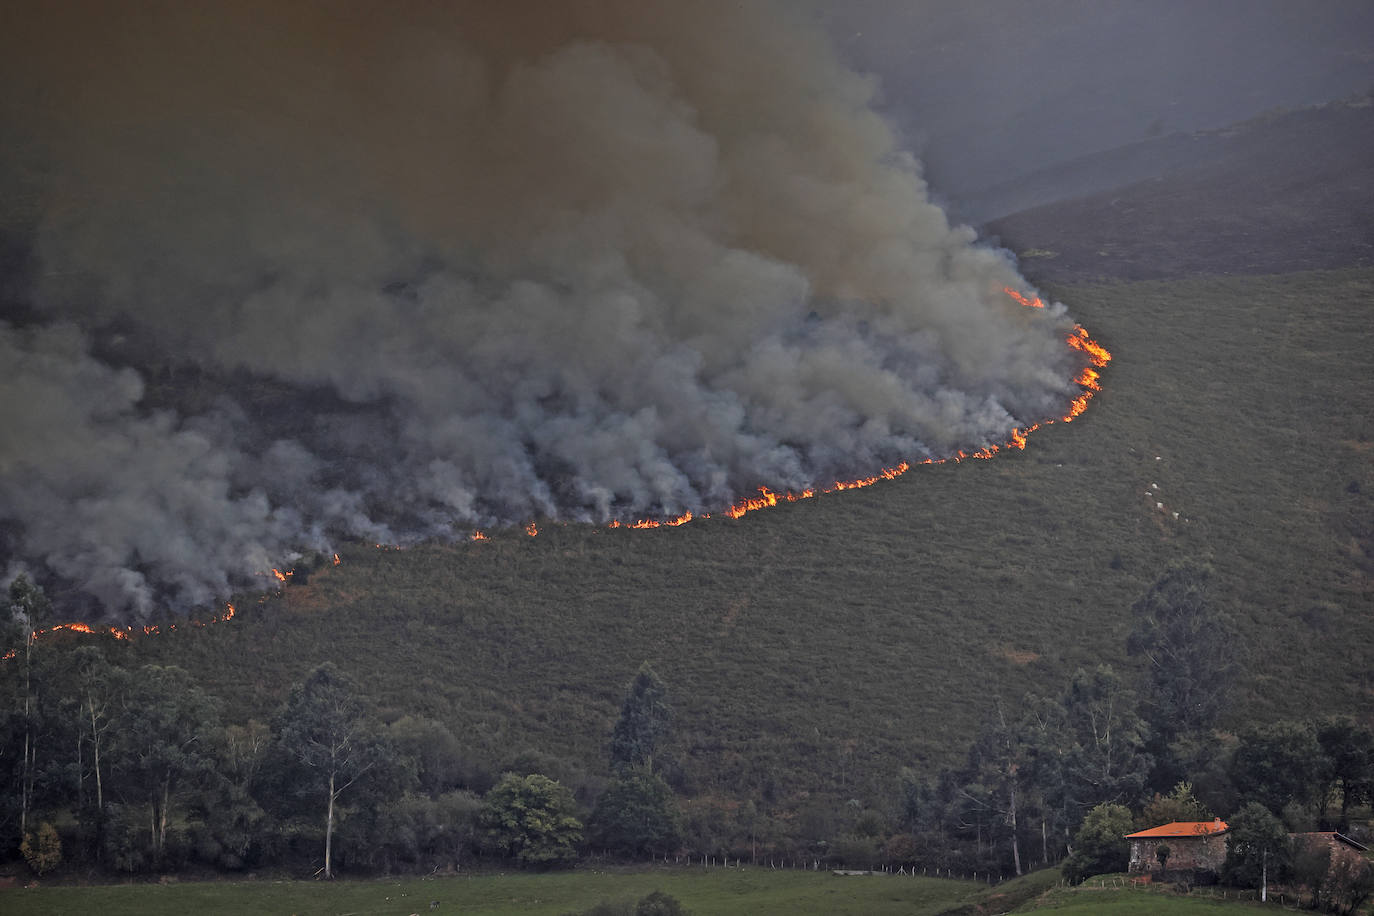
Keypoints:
pixel 662 298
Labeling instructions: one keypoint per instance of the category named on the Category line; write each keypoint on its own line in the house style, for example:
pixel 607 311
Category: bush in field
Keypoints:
pixel 654 904
pixel 43 851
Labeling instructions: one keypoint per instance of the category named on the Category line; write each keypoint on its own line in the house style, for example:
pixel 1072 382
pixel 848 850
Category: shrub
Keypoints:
pixel 1100 846
pixel 44 851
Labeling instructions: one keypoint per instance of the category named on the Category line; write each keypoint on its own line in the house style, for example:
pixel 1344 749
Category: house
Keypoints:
pixel 1343 849
pixel 1197 846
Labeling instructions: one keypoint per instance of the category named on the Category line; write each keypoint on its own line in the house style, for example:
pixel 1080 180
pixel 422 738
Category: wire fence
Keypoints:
pixel 990 878
pixel 1285 898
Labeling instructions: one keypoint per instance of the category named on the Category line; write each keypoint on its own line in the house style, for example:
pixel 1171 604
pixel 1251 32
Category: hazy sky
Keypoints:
pixel 987 89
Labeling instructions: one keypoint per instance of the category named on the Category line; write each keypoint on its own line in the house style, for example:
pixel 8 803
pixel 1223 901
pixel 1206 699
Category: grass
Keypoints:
pixel 702 891
pixel 818 647
pixel 1103 895
pixel 1132 903
pixel 724 891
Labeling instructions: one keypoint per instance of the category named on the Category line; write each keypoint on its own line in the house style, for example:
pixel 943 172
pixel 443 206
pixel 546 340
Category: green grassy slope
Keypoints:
pixel 820 645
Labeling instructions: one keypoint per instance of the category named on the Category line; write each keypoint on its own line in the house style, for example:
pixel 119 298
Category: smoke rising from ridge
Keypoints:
pixel 450 266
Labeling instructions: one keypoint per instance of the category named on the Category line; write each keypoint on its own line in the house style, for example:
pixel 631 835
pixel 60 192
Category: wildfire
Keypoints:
pixel 643 523
pixel 1036 303
pixel 1088 380
pixel 1097 353
pixel 127 632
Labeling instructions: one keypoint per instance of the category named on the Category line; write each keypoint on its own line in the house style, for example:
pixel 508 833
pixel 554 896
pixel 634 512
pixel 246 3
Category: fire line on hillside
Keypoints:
pixel 1088 380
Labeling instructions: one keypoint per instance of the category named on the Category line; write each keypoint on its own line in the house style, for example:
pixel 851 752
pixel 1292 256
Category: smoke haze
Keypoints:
pixel 400 270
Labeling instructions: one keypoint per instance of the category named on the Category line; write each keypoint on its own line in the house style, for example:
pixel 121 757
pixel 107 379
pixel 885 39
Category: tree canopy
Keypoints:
pixel 1100 846
pixel 644 723
pixel 323 726
pixel 1191 647
pixel 532 819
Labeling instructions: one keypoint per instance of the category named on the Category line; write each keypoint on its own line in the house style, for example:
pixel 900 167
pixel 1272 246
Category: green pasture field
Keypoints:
pixel 702 891
pixel 822 645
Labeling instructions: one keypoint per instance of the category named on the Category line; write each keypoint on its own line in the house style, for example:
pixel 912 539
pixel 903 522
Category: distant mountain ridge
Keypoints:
pixel 1286 191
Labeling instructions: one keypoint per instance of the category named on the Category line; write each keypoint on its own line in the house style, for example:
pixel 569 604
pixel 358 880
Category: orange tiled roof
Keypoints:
pixel 1182 828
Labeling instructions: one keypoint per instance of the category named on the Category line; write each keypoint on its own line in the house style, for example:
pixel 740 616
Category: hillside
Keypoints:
pixel 1282 192
pixel 816 648
pixel 821 645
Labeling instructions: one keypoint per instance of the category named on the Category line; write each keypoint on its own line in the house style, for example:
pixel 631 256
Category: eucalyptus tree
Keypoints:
pixel 1105 739
pixel 325 728
pixel 97 687
pixel 1192 650
pixel 163 739
pixel 30 610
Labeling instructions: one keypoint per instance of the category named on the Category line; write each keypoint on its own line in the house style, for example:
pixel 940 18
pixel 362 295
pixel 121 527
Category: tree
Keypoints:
pixel 645 719
pixel 636 815
pixel 1275 765
pixel 994 783
pixel 97 684
pixel 1347 767
pixel 1191 648
pixel 436 751
pixel 162 739
pixel 1100 846
pixel 1105 761
pixel 531 819
pixel 1257 849
pixel 30 607
pixel 1178 805
pixel 323 727
pixel 234 831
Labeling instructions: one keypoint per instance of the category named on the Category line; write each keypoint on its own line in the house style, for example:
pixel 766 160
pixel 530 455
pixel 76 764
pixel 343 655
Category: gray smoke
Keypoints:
pixel 399 270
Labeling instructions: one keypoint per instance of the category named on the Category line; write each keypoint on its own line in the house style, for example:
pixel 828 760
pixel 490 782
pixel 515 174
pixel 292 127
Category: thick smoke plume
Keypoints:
pixel 399 270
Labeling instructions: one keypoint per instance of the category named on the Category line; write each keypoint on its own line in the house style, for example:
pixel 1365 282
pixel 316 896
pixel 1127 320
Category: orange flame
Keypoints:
pixel 1097 353
pixel 281 576
pixel 1036 303
pixel 337 561
pixel 531 529
pixel 124 634
pixel 479 536
pixel 682 519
